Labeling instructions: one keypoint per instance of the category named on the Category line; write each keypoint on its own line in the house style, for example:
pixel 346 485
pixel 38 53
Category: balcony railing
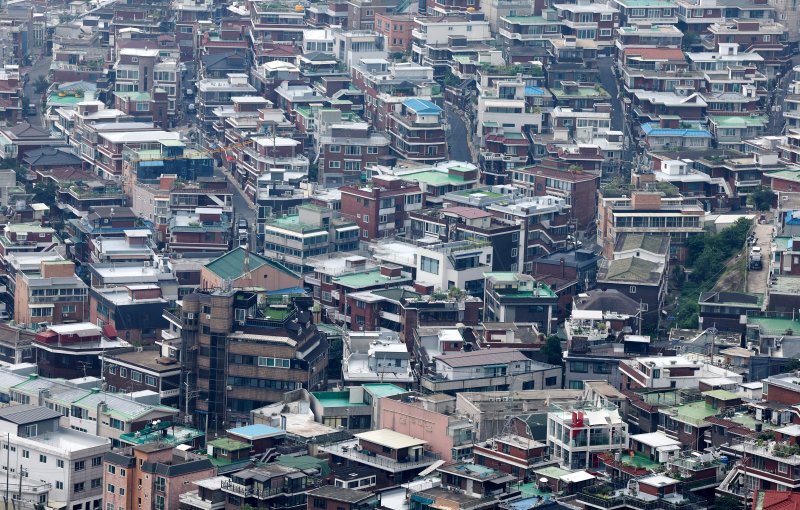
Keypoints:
pixel 350 450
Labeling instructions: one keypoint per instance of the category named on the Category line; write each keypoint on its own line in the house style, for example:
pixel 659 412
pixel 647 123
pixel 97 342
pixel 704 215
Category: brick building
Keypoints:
pixel 381 210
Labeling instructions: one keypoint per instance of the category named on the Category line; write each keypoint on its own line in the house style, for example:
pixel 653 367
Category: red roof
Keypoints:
pixel 656 53
pixel 777 500
pixel 468 212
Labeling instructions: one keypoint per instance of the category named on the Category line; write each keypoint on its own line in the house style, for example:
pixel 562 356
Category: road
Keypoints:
pixel 457 139
pixel 757 280
pixel 776 121
pixel 40 68
pixel 618 122
pixel 242 206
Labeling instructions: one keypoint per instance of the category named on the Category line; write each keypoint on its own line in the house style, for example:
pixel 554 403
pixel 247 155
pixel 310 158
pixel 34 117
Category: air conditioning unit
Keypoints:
pixel 208 316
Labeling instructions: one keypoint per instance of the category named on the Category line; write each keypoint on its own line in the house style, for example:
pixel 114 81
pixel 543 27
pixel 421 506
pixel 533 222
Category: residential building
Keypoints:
pixel 144 369
pixel 376 357
pixel 52 294
pixel 669 372
pixel 73 350
pixel 577 435
pixel 497 369
pixel 167 473
pixel 516 297
pixel 71 462
pixel 381 210
pixel 417 132
pixel 332 497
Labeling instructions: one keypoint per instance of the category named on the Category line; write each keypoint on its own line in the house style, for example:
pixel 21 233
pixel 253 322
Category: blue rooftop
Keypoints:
pixel 422 106
pixel 534 91
pixel 257 431
pixel 651 130
pixel 792 218
pixel 290 290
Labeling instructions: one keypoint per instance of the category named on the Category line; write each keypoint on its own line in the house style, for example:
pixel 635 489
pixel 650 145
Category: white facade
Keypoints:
pixel 460 264
pixel 577 436
pixel 672 372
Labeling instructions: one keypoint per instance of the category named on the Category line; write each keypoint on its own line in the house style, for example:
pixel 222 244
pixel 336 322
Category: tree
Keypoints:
pixel 552 351
pixel 40 85
pixel 761 198
pixel 726 502
pixel 45 192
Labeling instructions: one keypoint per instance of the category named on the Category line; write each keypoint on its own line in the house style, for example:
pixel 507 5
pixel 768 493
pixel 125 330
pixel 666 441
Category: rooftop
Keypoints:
pixel 390 439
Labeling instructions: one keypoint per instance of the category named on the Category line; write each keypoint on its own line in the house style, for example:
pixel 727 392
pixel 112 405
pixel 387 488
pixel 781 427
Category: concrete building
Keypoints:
pixel 576 435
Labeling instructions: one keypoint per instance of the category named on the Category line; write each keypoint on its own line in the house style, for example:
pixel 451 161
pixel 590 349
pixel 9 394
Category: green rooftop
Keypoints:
pixel 372 278
pixel 69 99
pixel 739 121
pixel 379 390
pixel 774 325
pixel 175 437
pixel 789 174
pixel 639 461
pixel 434 178
pixel 532 489
pixel 335 399
pixel 721 395
pixel 694 413
pixel 28 227
pixel 481 191
pixel 231 265
pixel 277 312
pixel 293 223
pixel 172 143
pixel 231 445
pixel 552 472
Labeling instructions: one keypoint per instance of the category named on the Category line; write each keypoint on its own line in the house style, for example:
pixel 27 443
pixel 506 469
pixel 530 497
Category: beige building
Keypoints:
pixel 52 294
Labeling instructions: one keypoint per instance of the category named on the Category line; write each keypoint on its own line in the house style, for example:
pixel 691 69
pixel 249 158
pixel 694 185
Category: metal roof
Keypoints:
pixel 24 413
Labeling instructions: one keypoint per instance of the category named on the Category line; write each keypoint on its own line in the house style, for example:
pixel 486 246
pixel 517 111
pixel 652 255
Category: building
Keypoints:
pixel 484 370
pixel 516 297
pixel 577 435
pixel 71 462
pixel 53 294
pixel 381 210
pixel 132 370
pixel 331 497
pixel 669 372
pixel 167 473
pixel 240 325
pixel 417 132
pixel 376 357
pixel 73 350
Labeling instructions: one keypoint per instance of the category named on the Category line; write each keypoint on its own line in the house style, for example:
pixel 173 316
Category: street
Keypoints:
pixel 457 139
pixel 757 280
pixel 609 81
pixel 776 121
pixel 242 207
pixel 40 68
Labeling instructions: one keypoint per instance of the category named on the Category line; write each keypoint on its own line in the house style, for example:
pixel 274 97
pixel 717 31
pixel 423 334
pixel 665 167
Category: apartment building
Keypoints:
pixel 381 209
pixel 167 473
pixel 633 212
pixel 215 92
pixel 71 462
pixel 436 39
pixel 516 297
pixel 53 294
pixel 416 130
pixel 669 372
pixel 500 369
pixel 578 434
pixel 240 326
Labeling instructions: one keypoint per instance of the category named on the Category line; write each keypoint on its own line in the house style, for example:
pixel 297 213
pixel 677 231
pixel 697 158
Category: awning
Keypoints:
pixel 430 469
pixel 578 476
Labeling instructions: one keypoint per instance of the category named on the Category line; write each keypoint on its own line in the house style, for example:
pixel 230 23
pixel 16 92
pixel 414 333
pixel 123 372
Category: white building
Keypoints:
pixel 376 357
pixel 41 451
pixel 671 372
pixel 576 435
pixel 459 264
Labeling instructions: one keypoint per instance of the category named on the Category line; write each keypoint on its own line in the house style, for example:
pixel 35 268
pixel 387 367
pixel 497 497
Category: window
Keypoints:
pixel 68 309
pixel 26 454
pixel 43 459
pixel 121 472
pixel 579 366
pixel 429 265
pixel 112 370
pixel 112 469
pixel 30 430
pixel 783 468
pixel 273 362
pixel 365 218
pixel 97 483
pixel 372 150
pixel 60 485
pixel 78 487
pixel 334 164
pixel 606 17
pixel 514 252
pixel 515 237
pixel 632 290
pixel 136 376
pixel 110 488
pixel 334 148
pixel 97 461
pixel 149 380
pixel 80 465
pixel 550 381
pixel 121 491
pixel 687 429
pixel 123 372
pixel 319 503
pixel 60 463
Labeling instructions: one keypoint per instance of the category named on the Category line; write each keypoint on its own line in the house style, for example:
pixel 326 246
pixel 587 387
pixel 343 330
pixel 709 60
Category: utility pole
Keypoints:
pixel 22 473
pixel 8 462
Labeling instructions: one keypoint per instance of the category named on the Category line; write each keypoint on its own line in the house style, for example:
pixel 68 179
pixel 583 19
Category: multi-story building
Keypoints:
pixel 71 462
pixel 73 350
pixel 53 294
pixel 167 473
pixel 417 131
pixel 381 209
pixel 634 212
pixel 516 297
pixel 215 92
pixel 590 20
pixel 436 39
pixel 669 372
pixel 232 329
pixel 578 434
pixel 498 369
pixel 313 231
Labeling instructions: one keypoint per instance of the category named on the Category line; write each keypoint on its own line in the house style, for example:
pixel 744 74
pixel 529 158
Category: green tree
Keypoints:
pixel 761 198
pixel 552 351
pixel 726 502
pixel 45 193
pixel 41 84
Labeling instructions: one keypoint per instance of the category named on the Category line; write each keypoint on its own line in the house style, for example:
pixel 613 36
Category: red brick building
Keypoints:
pixel 381 210
pixel 396 28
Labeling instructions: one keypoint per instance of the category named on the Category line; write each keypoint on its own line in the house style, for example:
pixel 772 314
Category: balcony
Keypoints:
pixel 350 450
